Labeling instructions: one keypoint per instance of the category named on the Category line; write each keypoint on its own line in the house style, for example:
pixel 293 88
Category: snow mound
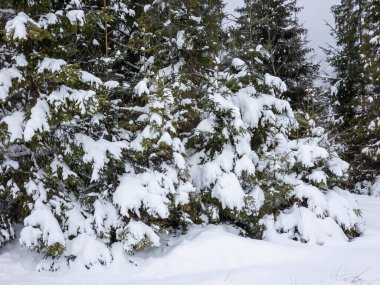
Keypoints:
pixel 61 96
pixel 111 84
pixel 38 120
pixel 143 190
pixel 50 64
pixel 15 125
pixel 96 152
pixel 88 251
pixel 87 77
pixel 375 188
pixel 141 88
pixel 229 191
pixel 238 64
pixel 41 225
pixel 275 82
pixel 17 27
pixel 6 77
pixel 137 233
pixel 76 17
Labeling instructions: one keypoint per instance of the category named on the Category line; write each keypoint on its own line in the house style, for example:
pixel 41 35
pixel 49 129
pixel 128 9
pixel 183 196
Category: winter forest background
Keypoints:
pixel 128 126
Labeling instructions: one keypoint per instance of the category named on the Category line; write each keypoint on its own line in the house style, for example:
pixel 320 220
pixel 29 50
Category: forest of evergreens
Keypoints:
pixel 122 121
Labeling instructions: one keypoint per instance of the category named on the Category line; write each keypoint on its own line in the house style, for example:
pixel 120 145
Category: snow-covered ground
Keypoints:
pixel 216 255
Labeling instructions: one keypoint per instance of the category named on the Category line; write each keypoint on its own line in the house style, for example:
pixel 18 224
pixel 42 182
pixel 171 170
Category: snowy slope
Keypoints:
pixel 215 255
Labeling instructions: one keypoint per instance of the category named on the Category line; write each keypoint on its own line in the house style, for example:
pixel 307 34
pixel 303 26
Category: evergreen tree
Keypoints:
pixel 346 59
pixel 175 55
pixel 356 86
pixel 56 138
pixel 369 123
pixel 274 26
pixel 282 174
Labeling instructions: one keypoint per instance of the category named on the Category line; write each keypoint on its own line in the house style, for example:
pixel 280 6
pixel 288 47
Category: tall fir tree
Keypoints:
pixel 370 121
pixel 346 58
pixel 274 26
pixel 356 86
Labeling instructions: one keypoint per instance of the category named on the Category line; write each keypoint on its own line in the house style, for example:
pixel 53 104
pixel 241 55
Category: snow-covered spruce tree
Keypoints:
pixel 369 122
pixel 254 171
pixel 175 53
pixel 294 169
pixel 155 163
pixel 244 45
pixel 356 87
pixel 57 132
pixel 346 58
pixel 273 26
pixel 180 56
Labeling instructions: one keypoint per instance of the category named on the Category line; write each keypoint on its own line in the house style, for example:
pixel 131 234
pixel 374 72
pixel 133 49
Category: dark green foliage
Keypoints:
pixel 270 37
pixel 356 63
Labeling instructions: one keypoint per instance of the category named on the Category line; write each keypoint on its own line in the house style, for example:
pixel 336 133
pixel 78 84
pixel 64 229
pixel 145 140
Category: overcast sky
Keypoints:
pixel 314 15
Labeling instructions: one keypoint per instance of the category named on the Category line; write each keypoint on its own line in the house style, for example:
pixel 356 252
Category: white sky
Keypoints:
pixel 314 15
